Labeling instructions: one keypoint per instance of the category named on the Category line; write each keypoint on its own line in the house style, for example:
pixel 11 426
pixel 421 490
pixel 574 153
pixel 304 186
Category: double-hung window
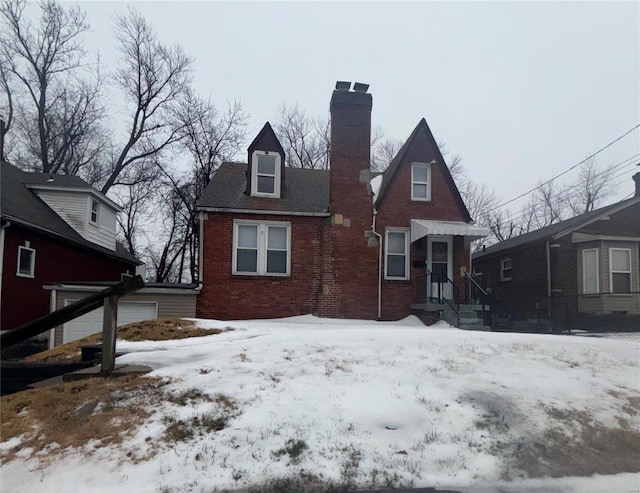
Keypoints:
pixel 420 181
pixel 590 281
pixel 262 248
pixel 505 269
pixel 93 214
pixel 397 254
pixel 265 179
pixel 26 261
pixel 620 270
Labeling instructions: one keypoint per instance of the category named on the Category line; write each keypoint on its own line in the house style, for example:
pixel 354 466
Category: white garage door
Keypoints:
pixel 128 312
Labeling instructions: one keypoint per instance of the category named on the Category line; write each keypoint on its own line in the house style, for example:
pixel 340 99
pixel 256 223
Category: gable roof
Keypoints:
pixel 558 229
pixel 20 205
pixel 267 132
pixel 390 172
pixel 304 192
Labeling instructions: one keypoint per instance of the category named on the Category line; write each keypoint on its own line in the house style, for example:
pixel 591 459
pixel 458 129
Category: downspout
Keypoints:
pixel 200 243
pixel 53 301
pixel 2 228
pixel 379 236
pixel 548 281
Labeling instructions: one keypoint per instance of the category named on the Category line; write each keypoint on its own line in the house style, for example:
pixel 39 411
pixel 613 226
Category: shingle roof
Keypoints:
pixel 22 206
pixel 304 191
pixel 555 229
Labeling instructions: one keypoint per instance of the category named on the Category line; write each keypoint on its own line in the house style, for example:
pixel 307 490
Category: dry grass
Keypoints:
pixel 100 410
pixel 577 445
pixel 162 329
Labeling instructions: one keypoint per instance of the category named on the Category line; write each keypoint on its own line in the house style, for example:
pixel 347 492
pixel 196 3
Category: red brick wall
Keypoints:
pixel 397 209
pixel 225 296
pixel 23 298
pixel 349 265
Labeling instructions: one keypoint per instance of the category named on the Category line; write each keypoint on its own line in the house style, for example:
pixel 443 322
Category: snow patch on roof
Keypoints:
pixel 375 183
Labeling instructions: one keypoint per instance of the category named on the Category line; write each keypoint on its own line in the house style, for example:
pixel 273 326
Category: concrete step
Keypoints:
pixel 471 321
pixel 474 327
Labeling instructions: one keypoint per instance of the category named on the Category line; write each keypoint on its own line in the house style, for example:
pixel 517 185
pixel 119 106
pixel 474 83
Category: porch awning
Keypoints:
pixel 423 227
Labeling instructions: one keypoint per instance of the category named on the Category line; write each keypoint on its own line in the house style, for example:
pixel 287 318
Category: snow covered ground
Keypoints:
pixel 373 403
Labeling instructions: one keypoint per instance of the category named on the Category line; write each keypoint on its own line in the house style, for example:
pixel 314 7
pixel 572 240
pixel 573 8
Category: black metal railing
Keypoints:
pixel 476 295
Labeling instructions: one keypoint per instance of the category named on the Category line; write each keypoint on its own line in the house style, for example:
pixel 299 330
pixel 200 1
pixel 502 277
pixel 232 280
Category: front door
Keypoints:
pixel 440 266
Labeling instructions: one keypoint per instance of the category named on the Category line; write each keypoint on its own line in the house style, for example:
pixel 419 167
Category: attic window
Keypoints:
pixel 93 218
pixel 421 182
pixel 266 170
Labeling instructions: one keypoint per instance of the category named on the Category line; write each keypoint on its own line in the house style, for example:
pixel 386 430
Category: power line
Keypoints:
pixel 567 170
pixel 573 191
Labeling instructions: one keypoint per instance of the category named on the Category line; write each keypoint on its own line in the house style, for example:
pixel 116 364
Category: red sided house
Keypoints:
pixel 280 241
pixel 583 272
pixel 53 228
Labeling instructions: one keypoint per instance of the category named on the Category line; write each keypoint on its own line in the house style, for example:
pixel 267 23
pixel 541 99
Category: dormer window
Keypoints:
pixel 93 216
pixel 421 182
pixel 265 179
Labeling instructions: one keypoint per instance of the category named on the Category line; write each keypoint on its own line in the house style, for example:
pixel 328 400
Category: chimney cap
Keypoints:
pixel 343 85
pixel 360 87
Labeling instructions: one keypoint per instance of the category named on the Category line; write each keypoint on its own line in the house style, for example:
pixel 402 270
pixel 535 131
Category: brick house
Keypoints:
pixel 53 228
pixel 583 272
pixel 279 241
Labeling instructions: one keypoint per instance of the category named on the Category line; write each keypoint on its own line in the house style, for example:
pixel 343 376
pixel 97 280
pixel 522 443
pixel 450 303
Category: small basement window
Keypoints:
pixel 505 269
pixel 26 261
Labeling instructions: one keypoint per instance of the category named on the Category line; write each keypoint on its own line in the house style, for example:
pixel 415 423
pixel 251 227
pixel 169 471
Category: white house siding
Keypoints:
pixel 104 233
pixel 174 304
pixel 74 208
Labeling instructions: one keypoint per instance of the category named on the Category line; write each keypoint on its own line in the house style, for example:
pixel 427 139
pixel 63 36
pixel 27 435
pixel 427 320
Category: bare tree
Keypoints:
pixel 153 77
pixel 591 188
pixel 62 109
pixel 305 139
pixel 383 150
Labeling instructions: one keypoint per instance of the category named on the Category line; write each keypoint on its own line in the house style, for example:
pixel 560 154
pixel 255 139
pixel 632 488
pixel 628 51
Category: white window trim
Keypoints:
pixel 428 182
pixel 262 247
pixel 584 271
pixel 32 270
pixel 611 271
pixel 502 262
pixel 91 221
pixel 407 247
pixel 254 174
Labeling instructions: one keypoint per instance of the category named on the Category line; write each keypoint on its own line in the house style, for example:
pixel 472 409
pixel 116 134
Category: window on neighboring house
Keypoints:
pixel 505 269
pixel 94 212
pixel 620 270
pixel 26 261
pixel 590 281
pixel 262 248
pixel 421 182
pixel 397 258
pixel 266 174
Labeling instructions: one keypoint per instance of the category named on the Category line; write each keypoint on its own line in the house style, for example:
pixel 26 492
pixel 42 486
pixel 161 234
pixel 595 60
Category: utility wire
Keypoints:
pixel 619 168
pixel 567 170
pixel 532 209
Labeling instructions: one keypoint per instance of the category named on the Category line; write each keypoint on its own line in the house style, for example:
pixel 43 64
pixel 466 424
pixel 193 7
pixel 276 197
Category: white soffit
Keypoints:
pixel 422 227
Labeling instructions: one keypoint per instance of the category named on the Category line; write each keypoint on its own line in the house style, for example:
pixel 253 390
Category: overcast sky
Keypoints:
pixel 521 90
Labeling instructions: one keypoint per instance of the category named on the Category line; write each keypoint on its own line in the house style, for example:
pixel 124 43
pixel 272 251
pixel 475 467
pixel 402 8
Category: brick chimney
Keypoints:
pixel 636 178
pixel 349 277
pixel 350 149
